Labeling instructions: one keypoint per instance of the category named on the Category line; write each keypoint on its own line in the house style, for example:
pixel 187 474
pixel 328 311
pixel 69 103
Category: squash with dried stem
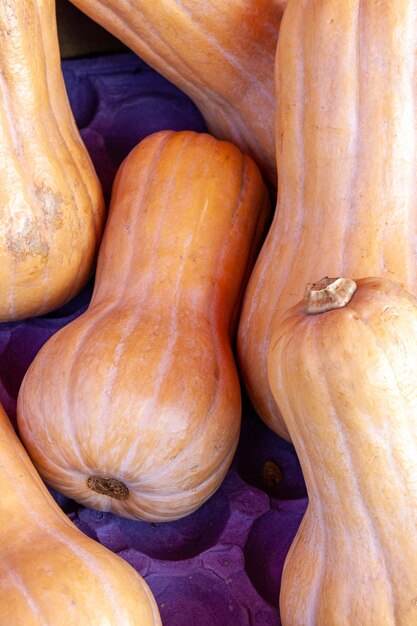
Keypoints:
pixel 135 406
pixel 342 366
pixel 345 135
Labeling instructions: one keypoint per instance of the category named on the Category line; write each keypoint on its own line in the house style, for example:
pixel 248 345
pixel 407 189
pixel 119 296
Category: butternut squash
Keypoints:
pixel 219 53
pixel 51 204
pixel 134 407
pixel 345 380
pixel 346 134
pixel 51 573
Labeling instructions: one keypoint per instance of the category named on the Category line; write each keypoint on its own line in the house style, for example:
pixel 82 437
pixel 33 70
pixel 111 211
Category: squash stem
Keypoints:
pixel 327 294
pixel 108 487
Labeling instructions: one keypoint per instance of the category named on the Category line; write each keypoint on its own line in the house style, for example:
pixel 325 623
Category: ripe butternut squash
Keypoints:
pixel 345 135
pixel 51 573
pixel 134 407
pixel 219 53
pixel 345 380
pixel 51 204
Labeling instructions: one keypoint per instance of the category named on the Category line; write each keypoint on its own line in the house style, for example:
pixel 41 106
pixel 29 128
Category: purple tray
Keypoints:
pixel 220 566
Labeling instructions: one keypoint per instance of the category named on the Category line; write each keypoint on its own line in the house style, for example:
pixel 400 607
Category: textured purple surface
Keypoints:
pixel 222 565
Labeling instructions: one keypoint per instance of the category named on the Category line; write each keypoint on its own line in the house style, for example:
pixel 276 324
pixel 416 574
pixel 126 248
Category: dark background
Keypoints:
pixel 81 36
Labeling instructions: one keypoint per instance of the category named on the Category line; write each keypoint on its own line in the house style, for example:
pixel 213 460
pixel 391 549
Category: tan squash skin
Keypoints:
pixel 347 199
pixel 143 387
pixel 346 383
pixel 51 573
pixel 220 53
pixel 51 205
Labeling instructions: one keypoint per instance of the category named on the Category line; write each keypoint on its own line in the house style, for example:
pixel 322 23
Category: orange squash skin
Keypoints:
pixel 221 54
pixel 51 573
pixel 346 165
pixel 143 387
pixel 346 384
pixel 51 204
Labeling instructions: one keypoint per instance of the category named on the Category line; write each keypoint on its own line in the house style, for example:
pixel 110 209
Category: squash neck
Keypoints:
pixel 361 481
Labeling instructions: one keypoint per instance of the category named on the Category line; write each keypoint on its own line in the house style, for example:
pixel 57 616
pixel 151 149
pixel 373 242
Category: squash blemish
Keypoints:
pixel 51 203
pixel 27 243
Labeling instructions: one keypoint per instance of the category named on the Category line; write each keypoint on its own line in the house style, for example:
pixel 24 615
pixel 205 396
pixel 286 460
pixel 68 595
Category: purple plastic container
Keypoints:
pixel 222 565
